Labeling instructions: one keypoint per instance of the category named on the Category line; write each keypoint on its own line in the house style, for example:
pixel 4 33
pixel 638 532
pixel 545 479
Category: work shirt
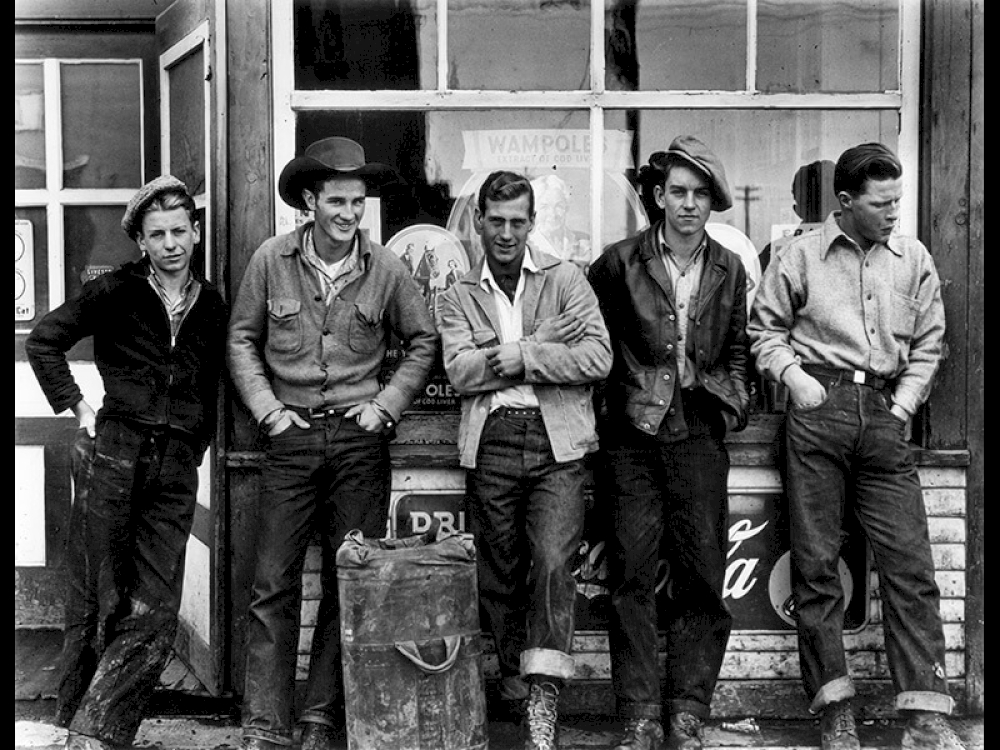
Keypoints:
pixel 824 301
pixel 511 329
pixel 176 309
pixel 685 281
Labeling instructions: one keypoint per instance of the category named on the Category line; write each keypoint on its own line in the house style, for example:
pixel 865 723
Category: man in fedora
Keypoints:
pixel 674 301
pixel 159 330
pixel 309 329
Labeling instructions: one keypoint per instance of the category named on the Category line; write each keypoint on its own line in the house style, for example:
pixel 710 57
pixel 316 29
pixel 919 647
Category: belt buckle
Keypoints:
pixel 859 377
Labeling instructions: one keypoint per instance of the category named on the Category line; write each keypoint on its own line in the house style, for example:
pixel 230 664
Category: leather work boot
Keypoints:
pixel 929 730
pixel 684 732
pixel 641 734
pixel 541 717
pixel 77 741
pixel 837 728
pixel 256 743
pixel 318 737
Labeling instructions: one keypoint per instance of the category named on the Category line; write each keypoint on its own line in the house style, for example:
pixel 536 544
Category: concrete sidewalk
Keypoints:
pixel 577 733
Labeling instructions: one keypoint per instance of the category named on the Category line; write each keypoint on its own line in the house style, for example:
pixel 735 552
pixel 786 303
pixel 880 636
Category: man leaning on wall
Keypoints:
pixel 159 332
pixel 310 327
pixel 850 318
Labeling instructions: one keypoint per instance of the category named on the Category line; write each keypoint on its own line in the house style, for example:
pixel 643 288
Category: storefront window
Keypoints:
pixel 29 126
pixel 666 44
pixel 365 44
pixel 827 45
pixel 101 125
pixel 542 45
pixel 186 92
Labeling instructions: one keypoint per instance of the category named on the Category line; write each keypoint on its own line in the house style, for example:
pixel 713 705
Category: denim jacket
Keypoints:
pixel 287 346
pixel 637 301
pixel 560 374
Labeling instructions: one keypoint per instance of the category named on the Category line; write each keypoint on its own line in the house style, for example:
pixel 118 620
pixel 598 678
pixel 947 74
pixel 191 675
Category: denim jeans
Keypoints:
pixel 526 513
pixel 852 446
pixel 132 511
pixel 672 501
pixel 325 480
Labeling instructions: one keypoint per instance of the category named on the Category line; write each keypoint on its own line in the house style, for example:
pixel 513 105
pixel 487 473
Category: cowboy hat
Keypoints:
pixel 333 157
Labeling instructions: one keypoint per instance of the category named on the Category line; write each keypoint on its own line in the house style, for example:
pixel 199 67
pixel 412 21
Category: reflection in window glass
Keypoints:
pixel 785 178
pixel 827 45
pixel 445 156
pixel 676 44
pixel 95 244
pixel 102 129
pixel 365 44
pixel 186 81
pixel 528 45
pixel 29 126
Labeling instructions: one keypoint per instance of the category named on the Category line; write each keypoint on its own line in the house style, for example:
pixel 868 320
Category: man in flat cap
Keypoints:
pixel 159 332
pixel 850 318
pixel 310 327
pixel 674 301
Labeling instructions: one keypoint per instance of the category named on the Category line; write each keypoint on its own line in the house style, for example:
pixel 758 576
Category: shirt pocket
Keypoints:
pixel 284 318
pixel 904 315
pixel 366 328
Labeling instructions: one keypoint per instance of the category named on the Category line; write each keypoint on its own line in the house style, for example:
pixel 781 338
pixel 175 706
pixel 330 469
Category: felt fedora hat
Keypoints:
pixel 334 156
pixel 696 154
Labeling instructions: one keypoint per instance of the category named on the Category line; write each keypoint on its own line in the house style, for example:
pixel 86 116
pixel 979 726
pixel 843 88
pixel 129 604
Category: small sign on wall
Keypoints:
pixel 24 270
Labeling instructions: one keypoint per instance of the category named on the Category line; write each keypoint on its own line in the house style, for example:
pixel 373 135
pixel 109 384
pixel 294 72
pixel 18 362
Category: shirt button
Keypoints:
pixel 660 402
pixel 670 347
pixel 671 317
pixel 666 377
pixel 681 305
pixel 673 411
pixel 645 425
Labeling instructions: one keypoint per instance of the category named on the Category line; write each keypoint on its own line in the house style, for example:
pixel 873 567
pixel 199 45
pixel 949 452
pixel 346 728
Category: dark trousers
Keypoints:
pixel 671 507
pixel 526 512
pixel 132 511
pixel 851 446
pixel 326 480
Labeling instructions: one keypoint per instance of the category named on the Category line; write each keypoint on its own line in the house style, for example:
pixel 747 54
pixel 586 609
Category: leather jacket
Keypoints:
pixel 636 299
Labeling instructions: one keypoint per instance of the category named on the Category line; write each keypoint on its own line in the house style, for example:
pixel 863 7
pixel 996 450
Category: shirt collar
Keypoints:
pixel 665 248
pixel 834 235
pixel 527 265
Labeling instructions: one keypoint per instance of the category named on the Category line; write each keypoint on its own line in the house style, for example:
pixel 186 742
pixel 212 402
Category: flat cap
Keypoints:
pixel 697 154
pixel 136 208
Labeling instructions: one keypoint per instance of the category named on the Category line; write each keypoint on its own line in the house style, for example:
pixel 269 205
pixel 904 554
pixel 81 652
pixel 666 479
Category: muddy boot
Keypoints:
pixel 837 728
pixel 641 734
pixel 541 717
pixel 684 732
pixel 929 730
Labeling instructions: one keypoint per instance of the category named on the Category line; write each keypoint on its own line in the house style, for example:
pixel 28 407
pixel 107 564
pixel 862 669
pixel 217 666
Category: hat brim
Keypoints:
pixel 721 200
pixel 303 171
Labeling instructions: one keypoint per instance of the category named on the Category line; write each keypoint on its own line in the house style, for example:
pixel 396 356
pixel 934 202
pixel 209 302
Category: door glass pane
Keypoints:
pixel 186 81
pixel 29 126
pixel 365 44
pixel 533 45
pixel 675 44
pixel 102 128
pixel 828 45
pixel 95 244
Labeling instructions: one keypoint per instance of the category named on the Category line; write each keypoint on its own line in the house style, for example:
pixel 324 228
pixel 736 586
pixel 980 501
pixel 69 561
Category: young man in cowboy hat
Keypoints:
pixel 159 332
pixel 309 330
pixel 674 301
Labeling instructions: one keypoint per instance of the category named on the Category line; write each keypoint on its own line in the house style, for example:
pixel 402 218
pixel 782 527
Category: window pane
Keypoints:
pixel 539 45
pixel 29 126
pixel 186 80
pixel 676 44
pixel 102 129
pixel 95 244
pixel 828 45
pixel 365 44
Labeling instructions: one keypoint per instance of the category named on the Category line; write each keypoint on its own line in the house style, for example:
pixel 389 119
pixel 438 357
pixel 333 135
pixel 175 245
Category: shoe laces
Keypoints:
pixel 637 729
pixel 689 724
pixel 542 715
pixel 841 720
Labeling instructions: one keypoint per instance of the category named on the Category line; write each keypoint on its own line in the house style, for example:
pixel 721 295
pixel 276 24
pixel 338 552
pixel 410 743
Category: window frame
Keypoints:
pixel 288 101
pixel 55 197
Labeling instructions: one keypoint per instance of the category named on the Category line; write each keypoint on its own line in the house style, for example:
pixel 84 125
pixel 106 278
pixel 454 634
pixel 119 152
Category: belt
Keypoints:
pixel 848 376
pixel 319 413
pixel 511 411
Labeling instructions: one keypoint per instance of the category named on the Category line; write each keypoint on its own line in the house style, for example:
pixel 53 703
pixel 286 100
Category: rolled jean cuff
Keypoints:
pixel 688 706
pixel 284 739
pixel 840 689
pixel 925 700
pixel 311 717
pixel 548 662
pixel 631 710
